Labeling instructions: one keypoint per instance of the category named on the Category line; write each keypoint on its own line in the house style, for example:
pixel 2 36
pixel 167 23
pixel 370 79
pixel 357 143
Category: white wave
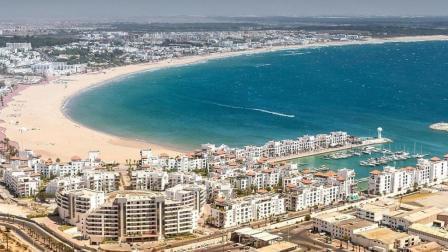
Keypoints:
pixel 293 53
pixel 262 65
pixel 254 109
pixel 272 112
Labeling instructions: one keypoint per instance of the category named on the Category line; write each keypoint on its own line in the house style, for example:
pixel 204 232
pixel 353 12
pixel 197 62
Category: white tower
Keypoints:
pixel 380 131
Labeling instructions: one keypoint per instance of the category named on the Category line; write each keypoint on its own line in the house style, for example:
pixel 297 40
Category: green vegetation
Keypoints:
pixel 37 41
pixel 64 227
pixel 181 236
pixel 202 172
pixel 36 215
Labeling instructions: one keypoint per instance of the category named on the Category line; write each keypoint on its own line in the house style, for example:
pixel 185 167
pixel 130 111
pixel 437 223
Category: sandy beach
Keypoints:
pixel 34 117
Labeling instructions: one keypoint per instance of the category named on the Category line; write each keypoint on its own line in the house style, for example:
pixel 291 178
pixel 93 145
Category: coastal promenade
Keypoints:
pixel 365 143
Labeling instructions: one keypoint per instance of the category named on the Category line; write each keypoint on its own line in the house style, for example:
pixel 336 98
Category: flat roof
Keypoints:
pixel 278 247
pixel 265 236
pixel 334 217
pixel 247 231
pixel 385 235
pixel 425 247
pixel 420 214
pixel 383 205
pixel 356 223
pixel 429 229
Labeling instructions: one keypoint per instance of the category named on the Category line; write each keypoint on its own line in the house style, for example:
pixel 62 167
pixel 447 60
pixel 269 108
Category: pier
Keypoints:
pixel 375 141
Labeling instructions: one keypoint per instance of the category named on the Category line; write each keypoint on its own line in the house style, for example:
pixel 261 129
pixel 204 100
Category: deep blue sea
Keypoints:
pixel 250 99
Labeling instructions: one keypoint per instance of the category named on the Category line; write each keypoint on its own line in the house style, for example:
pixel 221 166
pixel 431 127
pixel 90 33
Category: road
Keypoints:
pixel 54 241
pixel 24 237
pixel 301 236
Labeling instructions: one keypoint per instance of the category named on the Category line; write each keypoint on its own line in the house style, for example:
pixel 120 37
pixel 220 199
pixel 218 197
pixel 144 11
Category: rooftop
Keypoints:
pixel 279 246
pixel 429 229
pixel 426 247
pixel 356 223
pixel 383 205
pixel 420 214
pixel 335 217
pixel 385 235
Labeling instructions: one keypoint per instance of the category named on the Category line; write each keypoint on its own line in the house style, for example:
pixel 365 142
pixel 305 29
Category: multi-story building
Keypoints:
pixel 341 226
pixel 385 239
pixel 132 215
pixel 65 183
pixel 22 182
pixel 128 216
pixel 402 219
pixel 376 210
pixel 72 204
pixel 397 181
pixel 431 233
pixel 320 189
pixel 182 208
pixel 229 213
pixel 149 180
pixel 105 181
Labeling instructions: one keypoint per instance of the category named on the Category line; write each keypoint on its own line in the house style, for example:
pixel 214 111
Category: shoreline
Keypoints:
pixel 37 120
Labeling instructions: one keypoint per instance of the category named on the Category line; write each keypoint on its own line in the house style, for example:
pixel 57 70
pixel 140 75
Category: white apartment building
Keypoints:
pixel 97 180
pixel 187 164
pixel 61 170
pixel 22 182
pixel 65 183
pixel 234 212
pixel 266 178
pixel 104 181
pixel 131 216
pixel 397 181
pixel 175 178
pixel 72 204
pixel 194 195
pixel 128 216
pixel 147 159
pixel 290 147
pixel 182 208
pixel 57 68
pixel 320 189
pixel 149 180
pixel 218 189
pixel 311 196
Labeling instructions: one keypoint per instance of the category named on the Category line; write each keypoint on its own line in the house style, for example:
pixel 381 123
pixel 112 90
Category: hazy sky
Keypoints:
pixel 69 9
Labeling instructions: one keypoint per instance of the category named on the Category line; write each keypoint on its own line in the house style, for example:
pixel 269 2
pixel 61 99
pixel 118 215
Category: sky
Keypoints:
pixel 122 9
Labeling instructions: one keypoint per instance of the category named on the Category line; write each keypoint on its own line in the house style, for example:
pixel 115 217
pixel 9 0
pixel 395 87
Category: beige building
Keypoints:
pixel 341 226
pixel 385 239
pixel 402 219
pixel 425 247
pixel 428 232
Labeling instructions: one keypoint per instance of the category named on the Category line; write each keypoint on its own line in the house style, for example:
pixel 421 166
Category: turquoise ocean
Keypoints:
pixel 254 98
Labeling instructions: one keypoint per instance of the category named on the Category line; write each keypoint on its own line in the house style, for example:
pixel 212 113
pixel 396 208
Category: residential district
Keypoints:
pixel 222 198
pixel 32 55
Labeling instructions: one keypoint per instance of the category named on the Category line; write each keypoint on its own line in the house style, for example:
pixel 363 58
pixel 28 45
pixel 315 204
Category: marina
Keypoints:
pixel 351 147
